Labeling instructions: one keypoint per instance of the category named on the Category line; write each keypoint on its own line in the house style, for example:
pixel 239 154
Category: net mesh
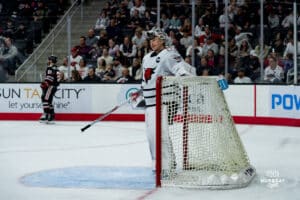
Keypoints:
pixel 200 140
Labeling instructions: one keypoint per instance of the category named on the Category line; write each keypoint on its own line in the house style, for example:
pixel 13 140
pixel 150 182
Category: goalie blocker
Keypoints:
pixel 205 150
pixel 137 100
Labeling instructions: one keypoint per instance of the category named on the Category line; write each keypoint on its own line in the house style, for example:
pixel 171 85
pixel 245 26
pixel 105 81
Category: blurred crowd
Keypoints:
pixel 23 23
pixel 113 48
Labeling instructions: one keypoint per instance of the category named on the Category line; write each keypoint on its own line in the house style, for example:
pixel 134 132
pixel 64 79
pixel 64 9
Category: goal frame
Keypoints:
pixel 247 173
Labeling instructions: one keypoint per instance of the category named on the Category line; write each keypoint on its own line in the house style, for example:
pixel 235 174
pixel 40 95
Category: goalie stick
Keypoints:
pixel 109 112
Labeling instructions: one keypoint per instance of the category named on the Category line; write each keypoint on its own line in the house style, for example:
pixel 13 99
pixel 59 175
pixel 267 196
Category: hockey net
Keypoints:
pixel 198 145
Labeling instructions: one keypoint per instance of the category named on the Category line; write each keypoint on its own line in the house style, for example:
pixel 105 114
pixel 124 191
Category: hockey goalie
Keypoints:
pixel 192 139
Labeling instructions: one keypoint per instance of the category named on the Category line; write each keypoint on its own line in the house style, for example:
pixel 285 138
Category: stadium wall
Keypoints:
pixel 249 104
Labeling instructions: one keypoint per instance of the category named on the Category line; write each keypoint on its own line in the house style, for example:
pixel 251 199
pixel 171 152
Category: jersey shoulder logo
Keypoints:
pixel 177 58
pixel 157 60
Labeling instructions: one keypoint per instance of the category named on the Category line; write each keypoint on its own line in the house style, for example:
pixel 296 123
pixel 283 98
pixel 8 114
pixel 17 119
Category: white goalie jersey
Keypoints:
pixel 168 62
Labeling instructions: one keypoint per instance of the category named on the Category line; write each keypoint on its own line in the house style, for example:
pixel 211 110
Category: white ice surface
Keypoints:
pixel 28 147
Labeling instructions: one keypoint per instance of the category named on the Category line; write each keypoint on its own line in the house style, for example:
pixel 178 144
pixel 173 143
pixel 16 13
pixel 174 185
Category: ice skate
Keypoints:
pixel 44 118
pixel 51 119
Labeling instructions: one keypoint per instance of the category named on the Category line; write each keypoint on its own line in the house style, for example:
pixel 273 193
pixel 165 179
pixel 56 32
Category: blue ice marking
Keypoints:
pixel 93 177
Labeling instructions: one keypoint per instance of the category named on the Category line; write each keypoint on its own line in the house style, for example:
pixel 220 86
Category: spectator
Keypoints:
pixel 240 36
pixel 202 66
pixel 9 56
pixel 101 67
pixel 174 38
pixel 128 50
pixel 275 55
pixel 126 77
pixel 233 51
pixel 273 73
pixel 241 77
pixel 148 21
pixel 188 59
pixel 117 66
pixel 209 34
pixel 253 66
pixel 186 40
pixel 9 29
pixel 208 17
pixel 109 74
pixel 273 20
pixel 212 62
pixel 65 69
pixel 83 70
pixel 103 40
pixel 75 76
pixel 175 23
pixel 134 21
pixel 136 70
pixel 124 10
pixel 91 76
pixel 243 53
pixel 288 36
pixel 288 63
pixel 107 8
pixel 113 31
pixel 165 21
pixel 196 48
pixel 289 49
pixel 288 21
pixel 222 21
pixel 26 12
pixel 112 47
pixel 120 20
pixel 91 39
pixel 61 77
pixel 22 35
pixel 240 18
pixel 199 28
pixel 266 50
pixel 108 59
pixel 138 6
pixel 205 72
pixel 186 26
pixel 102 22
pixel 138 39
pixel 75 58
pixel 143 50
pixel 210 45
pixel 84 50
pixel 42 12
pixel 277 44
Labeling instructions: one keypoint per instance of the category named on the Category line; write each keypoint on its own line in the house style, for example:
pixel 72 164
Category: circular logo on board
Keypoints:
pixel 130 91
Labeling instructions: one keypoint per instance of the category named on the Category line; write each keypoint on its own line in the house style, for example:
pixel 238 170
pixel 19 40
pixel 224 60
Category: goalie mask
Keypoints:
pixel 157 33
pixel 161 35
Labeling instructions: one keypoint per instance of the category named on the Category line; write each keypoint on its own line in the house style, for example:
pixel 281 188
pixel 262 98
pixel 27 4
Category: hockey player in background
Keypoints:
pixel 49 87
pixel 161 61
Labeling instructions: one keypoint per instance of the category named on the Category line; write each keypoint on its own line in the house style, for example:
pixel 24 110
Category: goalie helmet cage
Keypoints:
pixel 197 143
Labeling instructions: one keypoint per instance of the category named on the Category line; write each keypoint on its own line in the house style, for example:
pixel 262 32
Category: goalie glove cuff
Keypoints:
pixel 137 100
pixel 44 85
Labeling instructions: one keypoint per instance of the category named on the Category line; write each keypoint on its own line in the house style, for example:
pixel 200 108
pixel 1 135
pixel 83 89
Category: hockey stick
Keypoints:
pixel 108 113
